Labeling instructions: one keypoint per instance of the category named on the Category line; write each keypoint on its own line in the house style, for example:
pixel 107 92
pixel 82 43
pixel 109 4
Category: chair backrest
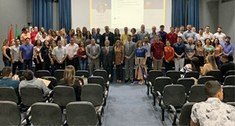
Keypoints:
pixel 187 83
pixel 31 95
pixel 84 73
pixel 197 93
pixel 230 72
pixel 81 114
pixel 204 79
pixel 174 95
pixel 53 80
pixel 97 80
pixel 229 93
pixel 41 73
pixel 229 80
pixel 216 74
pixel 231 103
pixel 59 74
pixel 46 114
pixel 102 73
pixel 92 93
pixel 153 74
pixel 8 94
pixel 160 83
pixel 174 75
pixel 190 74
pixel 9 114
pixel 184 119
pixel 63 95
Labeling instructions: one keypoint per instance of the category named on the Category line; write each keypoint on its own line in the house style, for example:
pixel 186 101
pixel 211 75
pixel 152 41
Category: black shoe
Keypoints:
pixel 126 81
pixel 131 81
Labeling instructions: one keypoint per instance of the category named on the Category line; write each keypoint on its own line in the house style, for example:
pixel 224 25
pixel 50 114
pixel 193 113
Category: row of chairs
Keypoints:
pixel 77 113
pixel 189 87
pixel 173 98
pixel 62 96
pixel 183 118
pixel 176 75
pixel 58 74
pixel 173 92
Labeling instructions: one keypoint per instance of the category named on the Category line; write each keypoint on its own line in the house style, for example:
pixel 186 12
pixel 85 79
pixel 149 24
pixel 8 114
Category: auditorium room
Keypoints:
pixel 117 63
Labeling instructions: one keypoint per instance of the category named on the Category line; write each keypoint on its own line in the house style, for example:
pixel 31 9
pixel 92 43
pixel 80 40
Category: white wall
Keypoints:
pixel 12 12
pixel 81 13
pixel 227 18
pixel 215 13
pixel 209 14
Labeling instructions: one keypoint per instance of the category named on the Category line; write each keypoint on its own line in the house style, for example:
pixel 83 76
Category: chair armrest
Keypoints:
pixel 105 93
pixel 171 107
pixel 150 84
pixel 158 93
pixel 49 96
pixel 27 117
pixel 99 114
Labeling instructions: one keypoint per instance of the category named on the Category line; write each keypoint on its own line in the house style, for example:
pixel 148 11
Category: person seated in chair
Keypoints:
pixel 226 65
pixel 193 66
pixel 213 112
pixel 70 80
pixel 31 81
pixel 7 80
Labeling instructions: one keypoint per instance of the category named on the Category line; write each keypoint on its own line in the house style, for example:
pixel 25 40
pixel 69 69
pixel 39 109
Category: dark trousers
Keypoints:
pixel 109 69
pixel 60 66
pixel 119 72
pixel 38 64
pixel 82 64
pixel 16 65
pixel 149 63
pixel 169 65
pixel 7 63
pixel 72 62
pixel 201 60
pixel 187 61
pixel 46 65
pixel 218 62
pixel 27 64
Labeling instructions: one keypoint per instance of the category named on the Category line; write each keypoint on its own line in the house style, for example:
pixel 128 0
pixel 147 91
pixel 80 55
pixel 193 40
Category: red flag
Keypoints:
pixel 10 36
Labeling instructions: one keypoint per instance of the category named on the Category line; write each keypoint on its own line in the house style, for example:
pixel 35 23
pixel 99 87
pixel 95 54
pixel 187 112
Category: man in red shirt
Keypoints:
pixel 157 49
pixel 33 34
pixel 172 36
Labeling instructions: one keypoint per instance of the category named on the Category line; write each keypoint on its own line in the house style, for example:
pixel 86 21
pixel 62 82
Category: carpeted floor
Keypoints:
pixel 128 105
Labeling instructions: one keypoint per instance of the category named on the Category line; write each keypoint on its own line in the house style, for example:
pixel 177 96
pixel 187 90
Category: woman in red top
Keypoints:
pixel 81 53
pixel 169 54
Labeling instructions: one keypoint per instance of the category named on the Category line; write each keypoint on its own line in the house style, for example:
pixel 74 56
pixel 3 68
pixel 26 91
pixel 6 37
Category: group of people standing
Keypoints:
pixel 140 51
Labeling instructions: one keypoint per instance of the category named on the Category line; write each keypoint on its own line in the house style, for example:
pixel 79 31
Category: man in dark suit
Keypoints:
pixel 107 56
pixel 107 36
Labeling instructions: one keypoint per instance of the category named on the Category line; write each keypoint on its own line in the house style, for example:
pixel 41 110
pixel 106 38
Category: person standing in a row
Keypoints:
pixel 129 51
pixel 93 52
pixel 107 58
pixel 26 54
pixel 119 58
pixel 157 49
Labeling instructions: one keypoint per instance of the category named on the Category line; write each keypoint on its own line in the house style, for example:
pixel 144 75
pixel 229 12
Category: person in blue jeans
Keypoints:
pixel 81 53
